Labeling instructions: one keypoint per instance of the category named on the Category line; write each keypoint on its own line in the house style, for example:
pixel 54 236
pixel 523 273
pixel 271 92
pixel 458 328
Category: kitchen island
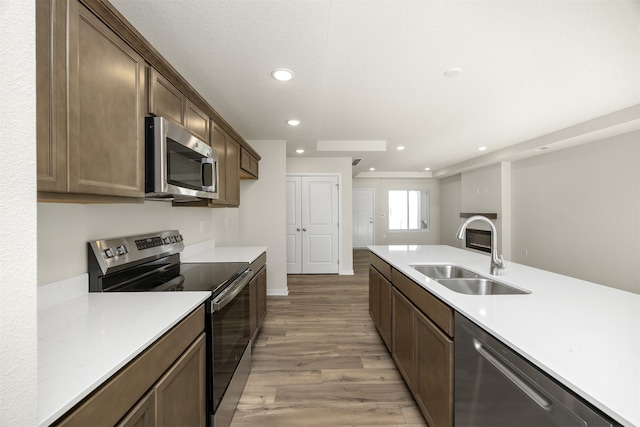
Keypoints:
pixel 584 335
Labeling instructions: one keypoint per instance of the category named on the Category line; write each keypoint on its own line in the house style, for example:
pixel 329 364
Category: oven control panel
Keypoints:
pixel 120 251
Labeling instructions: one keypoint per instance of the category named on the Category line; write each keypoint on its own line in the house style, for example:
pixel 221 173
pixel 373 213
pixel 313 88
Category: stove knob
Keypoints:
pixel 166 241
pixel 121 250
pixel 109 253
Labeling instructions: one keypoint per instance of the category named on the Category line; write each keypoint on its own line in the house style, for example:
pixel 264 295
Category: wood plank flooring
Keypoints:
pixel 319 360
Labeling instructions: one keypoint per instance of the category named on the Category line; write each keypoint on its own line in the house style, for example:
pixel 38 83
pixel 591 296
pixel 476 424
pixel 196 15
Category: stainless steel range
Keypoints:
pixel 151 263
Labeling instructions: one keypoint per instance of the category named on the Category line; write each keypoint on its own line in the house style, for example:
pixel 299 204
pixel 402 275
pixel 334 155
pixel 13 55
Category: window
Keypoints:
pixel 409 210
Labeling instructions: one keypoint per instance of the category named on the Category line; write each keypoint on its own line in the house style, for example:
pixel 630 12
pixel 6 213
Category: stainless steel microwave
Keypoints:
pixel 178 166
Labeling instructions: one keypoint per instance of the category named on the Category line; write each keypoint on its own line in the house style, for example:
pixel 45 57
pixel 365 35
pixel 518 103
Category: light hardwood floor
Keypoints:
pixel 319 360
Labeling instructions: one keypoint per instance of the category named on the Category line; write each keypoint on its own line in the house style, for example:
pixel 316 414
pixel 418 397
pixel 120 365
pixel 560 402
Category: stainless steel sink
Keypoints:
pixel 464 281
pixel 480 286
pixel 444 271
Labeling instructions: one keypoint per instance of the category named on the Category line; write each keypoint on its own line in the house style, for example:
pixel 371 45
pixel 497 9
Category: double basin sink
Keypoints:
pixel 464 281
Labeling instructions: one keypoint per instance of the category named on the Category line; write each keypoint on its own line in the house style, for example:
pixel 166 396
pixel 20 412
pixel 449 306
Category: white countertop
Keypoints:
pixel 585 335
pixel 84 341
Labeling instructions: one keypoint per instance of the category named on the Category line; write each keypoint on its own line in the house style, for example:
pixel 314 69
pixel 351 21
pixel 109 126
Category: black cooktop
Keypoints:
pixel 151 263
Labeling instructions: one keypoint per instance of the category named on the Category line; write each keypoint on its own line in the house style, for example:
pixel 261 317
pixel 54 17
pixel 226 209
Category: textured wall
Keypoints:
pixel 18 321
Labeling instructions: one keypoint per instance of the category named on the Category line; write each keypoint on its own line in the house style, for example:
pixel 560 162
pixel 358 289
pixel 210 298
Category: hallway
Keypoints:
pixel 320 362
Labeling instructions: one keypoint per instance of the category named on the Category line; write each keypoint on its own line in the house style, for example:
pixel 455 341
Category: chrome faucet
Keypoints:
pixel 497 263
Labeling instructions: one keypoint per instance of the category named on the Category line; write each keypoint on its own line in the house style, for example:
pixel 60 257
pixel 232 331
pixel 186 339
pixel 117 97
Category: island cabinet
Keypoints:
pixel 91 90
pixel 380 297
pixel 164 385
pixel 418 330
pixel 258 296
pixel 166 100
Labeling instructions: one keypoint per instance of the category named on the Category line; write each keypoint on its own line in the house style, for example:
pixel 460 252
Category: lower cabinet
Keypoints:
pixel 258 299
pixel 404 337
pixel 380 304
pixel 421 334
pixel 433 388
pixel 165 385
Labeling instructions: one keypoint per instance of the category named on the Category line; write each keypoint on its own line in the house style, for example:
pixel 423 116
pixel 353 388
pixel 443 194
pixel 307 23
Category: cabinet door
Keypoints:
pixel 143 414
pixel 433 388
pixel 165 100
pixel 233 172
pixel 262 295
pixel 106 110
pixel 219 143
pixel 51 104
pixel 403 337
pixel 374 296
pixel 197 122
pixel 180 393
pixel 248 164
pixel 385 311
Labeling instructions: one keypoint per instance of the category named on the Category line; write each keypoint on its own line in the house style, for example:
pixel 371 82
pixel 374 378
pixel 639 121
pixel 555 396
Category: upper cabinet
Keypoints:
pixel 90 106
pixel 248 165
pixel 166 100
pixel 97 79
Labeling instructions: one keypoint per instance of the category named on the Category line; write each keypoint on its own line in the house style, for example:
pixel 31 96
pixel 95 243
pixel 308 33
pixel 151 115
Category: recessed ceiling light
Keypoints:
pixel 482 148
pixel 282 74
pixel 372 169
pixel 453 72
pixel 400 147
pixel 299 151
pixel 427 169
pixel 293 122
pixel 544 147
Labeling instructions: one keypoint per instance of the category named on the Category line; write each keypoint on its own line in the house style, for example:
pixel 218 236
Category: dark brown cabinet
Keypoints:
pixel 91 89
pixel 404 337
pixel 164 385
pixel 380 304
pixel 258 299
pixel 166 100
pixel 248 165
pixel 421 334
pixel 433 388
pixel 228 168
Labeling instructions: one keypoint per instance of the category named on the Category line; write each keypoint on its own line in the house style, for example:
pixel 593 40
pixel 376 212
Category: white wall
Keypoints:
pixel 405 237
pixel 65 228
pixel 18 296
pixel 577 211
pixel 486 190
pixel 340 166
pixel 262 212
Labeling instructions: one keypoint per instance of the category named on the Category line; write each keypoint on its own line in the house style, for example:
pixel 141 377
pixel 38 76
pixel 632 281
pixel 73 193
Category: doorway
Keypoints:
pixel 363 217
pixel 312 224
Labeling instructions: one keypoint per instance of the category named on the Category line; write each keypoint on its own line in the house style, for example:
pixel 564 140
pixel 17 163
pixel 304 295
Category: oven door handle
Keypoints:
pixel 230 293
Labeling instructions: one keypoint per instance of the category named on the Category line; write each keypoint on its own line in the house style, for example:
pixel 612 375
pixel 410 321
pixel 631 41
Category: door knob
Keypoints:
pixel 297 229
pixel 304 229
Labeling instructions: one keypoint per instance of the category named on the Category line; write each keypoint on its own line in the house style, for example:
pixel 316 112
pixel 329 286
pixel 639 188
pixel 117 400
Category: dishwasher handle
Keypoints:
pixel 516 379
pixel 232 291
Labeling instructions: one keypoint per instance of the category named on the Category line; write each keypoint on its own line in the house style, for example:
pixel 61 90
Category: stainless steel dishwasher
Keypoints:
pixel 495 387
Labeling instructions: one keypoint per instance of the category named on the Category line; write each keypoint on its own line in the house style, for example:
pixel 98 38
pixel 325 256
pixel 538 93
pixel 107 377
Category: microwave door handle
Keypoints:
pixel 206 161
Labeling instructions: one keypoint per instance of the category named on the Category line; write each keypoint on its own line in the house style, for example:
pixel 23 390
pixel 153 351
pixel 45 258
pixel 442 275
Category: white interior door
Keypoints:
pixel 363 217
pixel 312 225
pixel 320 224
pixel 294 225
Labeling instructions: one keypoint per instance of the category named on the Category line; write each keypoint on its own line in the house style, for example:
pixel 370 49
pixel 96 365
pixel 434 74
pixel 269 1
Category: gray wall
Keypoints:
pixel 577 211
pixel 574 211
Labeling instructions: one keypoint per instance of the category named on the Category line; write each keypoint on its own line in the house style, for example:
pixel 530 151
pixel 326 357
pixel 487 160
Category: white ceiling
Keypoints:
pixel 374 70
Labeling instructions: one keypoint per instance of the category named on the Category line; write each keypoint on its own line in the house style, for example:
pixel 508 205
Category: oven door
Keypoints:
pixel 229 337
pixel 179 166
